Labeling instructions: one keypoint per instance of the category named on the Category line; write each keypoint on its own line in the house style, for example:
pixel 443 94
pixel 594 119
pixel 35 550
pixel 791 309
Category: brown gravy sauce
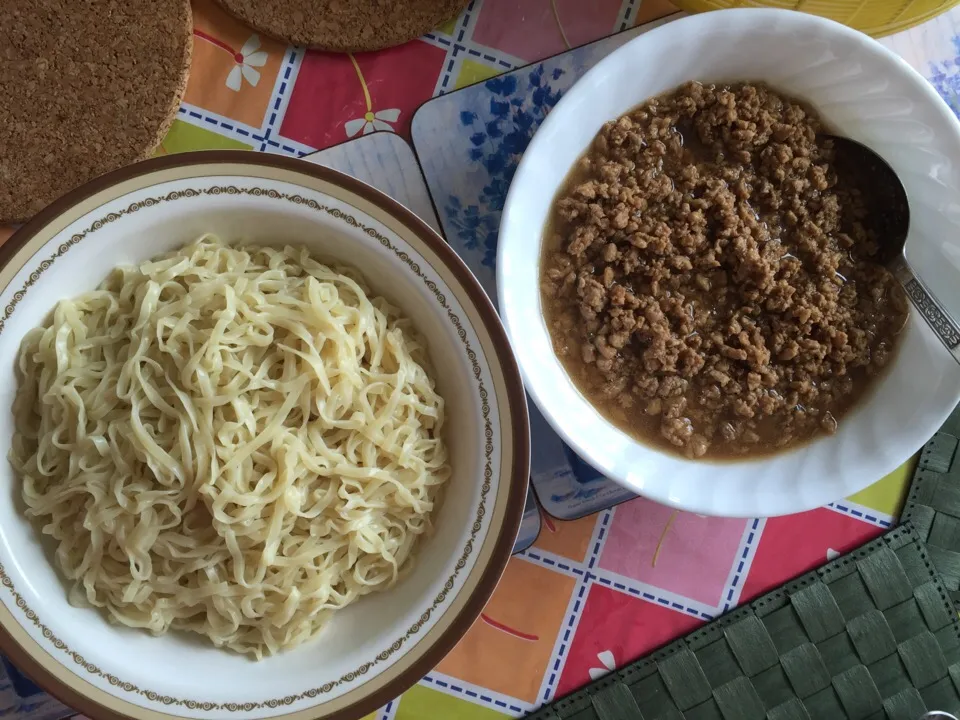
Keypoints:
pixel 709 282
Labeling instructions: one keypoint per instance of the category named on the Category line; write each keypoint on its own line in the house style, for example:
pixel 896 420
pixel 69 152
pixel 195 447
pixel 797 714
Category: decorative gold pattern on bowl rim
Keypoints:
pixel 453 318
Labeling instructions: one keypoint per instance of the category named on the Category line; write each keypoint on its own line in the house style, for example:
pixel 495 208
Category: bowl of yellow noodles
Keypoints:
pixel 266 443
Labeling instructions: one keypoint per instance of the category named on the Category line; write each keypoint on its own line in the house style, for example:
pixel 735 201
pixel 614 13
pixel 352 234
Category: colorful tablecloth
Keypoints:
pixel 590 594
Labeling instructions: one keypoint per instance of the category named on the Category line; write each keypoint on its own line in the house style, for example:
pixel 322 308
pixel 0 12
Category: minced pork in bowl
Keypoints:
pixel 859 378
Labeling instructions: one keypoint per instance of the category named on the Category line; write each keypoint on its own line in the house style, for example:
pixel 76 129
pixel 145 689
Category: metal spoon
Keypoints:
pixel 890 208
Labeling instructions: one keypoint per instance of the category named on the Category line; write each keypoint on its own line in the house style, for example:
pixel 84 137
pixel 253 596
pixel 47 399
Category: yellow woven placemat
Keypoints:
pixel 874 17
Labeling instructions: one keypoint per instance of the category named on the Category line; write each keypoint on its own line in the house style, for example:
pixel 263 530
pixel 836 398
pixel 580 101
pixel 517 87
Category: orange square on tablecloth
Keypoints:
pixel 651 10
pixel 509 647
pixel 234 69
pixel 567 538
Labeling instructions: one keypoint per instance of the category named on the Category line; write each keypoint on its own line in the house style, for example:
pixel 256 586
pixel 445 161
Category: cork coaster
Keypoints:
pixel 85 87
pixel 344 25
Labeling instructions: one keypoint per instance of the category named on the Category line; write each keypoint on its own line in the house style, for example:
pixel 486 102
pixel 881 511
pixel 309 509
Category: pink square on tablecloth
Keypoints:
pixel 530 30
pixel 682 553
pixel 329 106
pixel 614 629
pixel 793 544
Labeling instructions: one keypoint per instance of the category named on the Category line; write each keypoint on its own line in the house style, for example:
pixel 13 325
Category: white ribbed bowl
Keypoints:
pixel 865 92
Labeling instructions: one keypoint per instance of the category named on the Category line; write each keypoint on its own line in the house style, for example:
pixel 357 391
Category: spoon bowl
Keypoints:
pixel 889 211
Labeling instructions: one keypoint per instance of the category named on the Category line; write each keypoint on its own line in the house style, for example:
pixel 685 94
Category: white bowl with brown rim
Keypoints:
pixel 861 90
pixel 373 650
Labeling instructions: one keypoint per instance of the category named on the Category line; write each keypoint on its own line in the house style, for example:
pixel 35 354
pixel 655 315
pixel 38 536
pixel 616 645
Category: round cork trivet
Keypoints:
pixel 85 87
pixel 344 25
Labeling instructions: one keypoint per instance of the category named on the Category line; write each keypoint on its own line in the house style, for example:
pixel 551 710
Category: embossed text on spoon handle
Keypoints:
pixel 932 311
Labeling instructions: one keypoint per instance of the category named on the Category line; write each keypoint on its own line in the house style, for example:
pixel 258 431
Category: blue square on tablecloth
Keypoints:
pixel 22 685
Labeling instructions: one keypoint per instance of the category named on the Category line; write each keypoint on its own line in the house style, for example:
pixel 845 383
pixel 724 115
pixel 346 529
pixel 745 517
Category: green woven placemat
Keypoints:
pixel 872 634
pixel 933 503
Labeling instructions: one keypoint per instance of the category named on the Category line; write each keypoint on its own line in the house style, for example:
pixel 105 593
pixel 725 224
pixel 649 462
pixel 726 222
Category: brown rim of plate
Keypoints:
pixel 515 402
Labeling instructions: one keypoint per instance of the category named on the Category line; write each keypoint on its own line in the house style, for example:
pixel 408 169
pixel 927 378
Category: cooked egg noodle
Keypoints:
pixel 232 441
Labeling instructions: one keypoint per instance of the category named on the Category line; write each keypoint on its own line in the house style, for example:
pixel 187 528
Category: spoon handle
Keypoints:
pixel 932 311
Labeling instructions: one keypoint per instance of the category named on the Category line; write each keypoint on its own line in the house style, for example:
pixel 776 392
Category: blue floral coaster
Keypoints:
pixel 469 144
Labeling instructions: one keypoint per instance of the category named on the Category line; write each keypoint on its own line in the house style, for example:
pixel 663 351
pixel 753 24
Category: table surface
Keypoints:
pixel 590 594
